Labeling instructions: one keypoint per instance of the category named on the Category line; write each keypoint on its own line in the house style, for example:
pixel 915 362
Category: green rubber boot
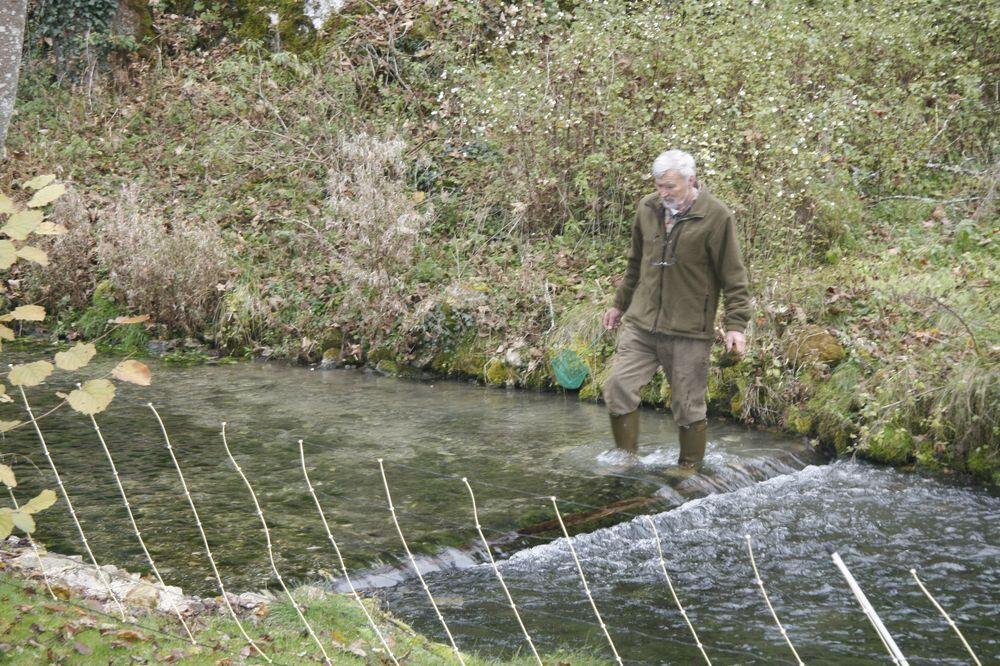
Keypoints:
pixel 625 428
pixel 692 437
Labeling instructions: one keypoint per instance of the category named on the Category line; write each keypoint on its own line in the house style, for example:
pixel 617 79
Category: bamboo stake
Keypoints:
pixel 204 538
pixel 34 548
pixel 270 548
pixel 340 559
pixel 913 572
pixel 866 606
pixel 496 570
pixel 413 561
pixel 663 566
pixel 72 512
pixel 760 584
pixel 583 579
pixel 135 526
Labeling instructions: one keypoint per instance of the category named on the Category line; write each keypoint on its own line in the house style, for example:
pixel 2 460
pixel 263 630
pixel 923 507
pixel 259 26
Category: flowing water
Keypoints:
pixel 518 449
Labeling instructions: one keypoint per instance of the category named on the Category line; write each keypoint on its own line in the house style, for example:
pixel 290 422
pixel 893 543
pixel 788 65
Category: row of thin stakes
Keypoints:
pixel 888 642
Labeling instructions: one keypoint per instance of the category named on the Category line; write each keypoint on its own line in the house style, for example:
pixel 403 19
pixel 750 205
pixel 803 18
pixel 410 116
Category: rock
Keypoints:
pixel 812 343
pixel 144 595
pixel 331 359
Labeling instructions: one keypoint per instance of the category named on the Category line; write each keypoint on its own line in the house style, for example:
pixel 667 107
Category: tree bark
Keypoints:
pixel 12 17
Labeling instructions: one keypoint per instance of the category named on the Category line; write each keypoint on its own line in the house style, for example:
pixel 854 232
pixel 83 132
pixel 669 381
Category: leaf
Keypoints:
pixel 51 229
pixel 34 254
pixel 6 333
pixel 93 397
pixel 8 254
pixel 21 224
pixel 6 523
pixel 7 476
pixel 133 372
pixel 38 182
pixel 138 319
pixel 8 425
pixel 6 205
pixel 47 195
pixel 23 521
pixel 30 374
pixel 40 502
pixel 77 357
pixel 25 313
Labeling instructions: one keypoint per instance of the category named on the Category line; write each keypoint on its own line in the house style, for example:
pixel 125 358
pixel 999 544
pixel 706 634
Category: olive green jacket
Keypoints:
pixel 704 260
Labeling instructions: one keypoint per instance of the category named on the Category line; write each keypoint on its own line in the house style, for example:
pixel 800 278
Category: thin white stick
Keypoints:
pixel 135 526
pixel 760 584
pixel 413 561
pixel 34 548
pixel 270 548
pixel 69 504
pixel 204 538
pixel 913 572
pixel 866 606
pixel 663 566
pixel 496 570
pixel 586 588
pixel 340 559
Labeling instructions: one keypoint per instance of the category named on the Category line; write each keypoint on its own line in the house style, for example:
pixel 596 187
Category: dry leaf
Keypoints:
pixel 20 225
pixel 6 333
pixel 93 397
pixel 133 372
pixel 34 254
pixel 51 229
pixel 6 205
pixel 7 476
pixel 8 425
pixel 25 313
pixel 77 357
pixel 8 254
pixel 38 182
pixel 129 320
pixel 30 374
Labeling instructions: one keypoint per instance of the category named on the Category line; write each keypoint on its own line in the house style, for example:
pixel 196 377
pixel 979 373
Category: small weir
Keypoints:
pixel 517 450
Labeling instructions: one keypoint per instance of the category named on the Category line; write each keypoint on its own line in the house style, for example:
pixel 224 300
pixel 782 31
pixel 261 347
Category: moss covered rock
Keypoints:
pixel 812 343
pixel 891 444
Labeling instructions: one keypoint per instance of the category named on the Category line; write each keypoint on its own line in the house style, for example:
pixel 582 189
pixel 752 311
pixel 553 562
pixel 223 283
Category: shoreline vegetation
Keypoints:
pixel 447 188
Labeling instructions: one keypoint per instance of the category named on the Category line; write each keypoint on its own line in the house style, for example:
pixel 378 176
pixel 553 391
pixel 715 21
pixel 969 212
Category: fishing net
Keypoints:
pixel 569 369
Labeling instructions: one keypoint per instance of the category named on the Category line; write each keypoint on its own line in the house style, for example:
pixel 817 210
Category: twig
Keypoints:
pixel 925 199
pixel 913 572
pixel 496 570
pixel 340 559
pixel 663 566
pixel 270 548
pixel 204 538
pixel 760 584
pixel 583 579
pixel 552 310
pixel 395 520
pixel 135 527
pixel 69 504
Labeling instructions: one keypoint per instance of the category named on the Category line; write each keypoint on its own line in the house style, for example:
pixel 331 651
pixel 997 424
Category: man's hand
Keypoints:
pixel 735 341
pixel 612 318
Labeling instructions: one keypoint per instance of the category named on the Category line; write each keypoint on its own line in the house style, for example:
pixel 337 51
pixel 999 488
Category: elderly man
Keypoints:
pixel 684 254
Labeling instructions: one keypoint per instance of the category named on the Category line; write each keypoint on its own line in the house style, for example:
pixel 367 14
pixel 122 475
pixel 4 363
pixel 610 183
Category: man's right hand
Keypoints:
pixel 612 318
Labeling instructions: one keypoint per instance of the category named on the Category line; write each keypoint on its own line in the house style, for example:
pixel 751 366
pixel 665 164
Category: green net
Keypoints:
pixel 569 369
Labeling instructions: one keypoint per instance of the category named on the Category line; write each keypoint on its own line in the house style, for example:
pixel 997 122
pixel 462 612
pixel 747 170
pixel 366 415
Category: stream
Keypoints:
pixel 517 449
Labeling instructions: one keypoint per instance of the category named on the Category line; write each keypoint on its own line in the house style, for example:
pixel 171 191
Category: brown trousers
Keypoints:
pixel 685 364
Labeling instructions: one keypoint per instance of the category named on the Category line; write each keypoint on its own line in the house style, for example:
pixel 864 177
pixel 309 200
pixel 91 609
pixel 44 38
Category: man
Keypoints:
pixel 684 254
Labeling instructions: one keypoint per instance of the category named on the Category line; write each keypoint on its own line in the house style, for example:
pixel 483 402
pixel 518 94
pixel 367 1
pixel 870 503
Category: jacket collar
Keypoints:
pixel 697 211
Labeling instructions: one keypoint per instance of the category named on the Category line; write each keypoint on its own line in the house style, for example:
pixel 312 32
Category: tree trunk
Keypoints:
pixel 12 16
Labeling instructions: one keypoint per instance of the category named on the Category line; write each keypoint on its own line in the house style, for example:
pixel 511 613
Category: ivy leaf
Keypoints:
pixel 40 502
pixel 129 320
pixel 47 195
pixel 51 229
pixel 34 254
pixel 8 254
pixel 93 397
pixel 8 425
pixel 6 523
pixel 21 224
pixel 77 357
pixel 38 182
pixel 25 313
pixel 23 521
pixel 30 374
pixel 7 476
pixel 133 372
pixel 6 205
pixel 6 333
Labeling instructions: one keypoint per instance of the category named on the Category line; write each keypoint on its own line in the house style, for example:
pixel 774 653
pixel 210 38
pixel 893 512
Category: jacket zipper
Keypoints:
pixel 663 278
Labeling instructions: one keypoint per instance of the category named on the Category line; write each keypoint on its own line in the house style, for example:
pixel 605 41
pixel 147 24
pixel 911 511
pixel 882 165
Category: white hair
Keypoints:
pixel 674 160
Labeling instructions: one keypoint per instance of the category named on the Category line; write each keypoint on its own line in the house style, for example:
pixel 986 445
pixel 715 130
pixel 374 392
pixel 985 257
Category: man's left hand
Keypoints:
pixel 736 341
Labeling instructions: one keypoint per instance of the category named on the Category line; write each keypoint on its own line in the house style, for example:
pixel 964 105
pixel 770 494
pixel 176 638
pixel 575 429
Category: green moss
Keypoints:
pixel 93 322
pixel 984 463
pixel 387 367
pixel 498 373
pixel 797 420
pixel 892 444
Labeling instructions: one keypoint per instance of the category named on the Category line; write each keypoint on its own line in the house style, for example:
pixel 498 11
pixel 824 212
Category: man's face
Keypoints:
pixel 673 188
